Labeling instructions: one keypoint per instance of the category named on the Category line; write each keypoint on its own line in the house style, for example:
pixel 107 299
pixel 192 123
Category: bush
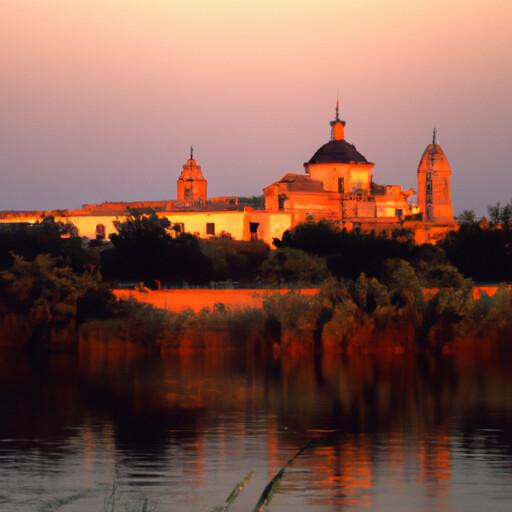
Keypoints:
pixel 284 266
pixel 45 237
pixel 481 254
pixel 145 251
pixel 49 295
pixel 348 253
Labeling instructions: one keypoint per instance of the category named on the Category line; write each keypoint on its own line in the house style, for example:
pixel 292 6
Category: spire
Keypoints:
pixel 337 126
pixel 191 152
pixel 434 136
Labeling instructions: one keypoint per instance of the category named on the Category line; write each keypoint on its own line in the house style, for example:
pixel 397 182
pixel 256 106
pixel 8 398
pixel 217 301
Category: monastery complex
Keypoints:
pixel 337 185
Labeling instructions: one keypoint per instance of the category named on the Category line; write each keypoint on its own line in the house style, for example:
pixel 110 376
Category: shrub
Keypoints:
pixel 49 295
pixel 287 265
pixel 145 251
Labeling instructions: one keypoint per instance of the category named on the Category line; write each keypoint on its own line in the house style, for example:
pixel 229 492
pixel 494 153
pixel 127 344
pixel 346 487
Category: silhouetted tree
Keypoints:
pixel 293 265
pixel 349 254
pixel 467 217
pixel 48 295
pixel 44 237
pixel 484 255
pixel 145 251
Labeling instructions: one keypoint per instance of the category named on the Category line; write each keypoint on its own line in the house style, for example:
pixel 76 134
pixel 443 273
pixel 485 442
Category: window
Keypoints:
pixel 341 185
pixel 281 198
pixel 210 228
pixel 399 212
pixel 253 229
pixel 100 232
pixel 188 193
pixel 179 227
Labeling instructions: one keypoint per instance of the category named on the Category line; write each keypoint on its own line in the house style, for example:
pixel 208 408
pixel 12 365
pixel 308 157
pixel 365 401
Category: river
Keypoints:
pixel 94 432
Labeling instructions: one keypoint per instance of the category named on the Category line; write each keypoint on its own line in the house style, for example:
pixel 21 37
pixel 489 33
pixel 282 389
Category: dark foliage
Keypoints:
pixel 285 266
pixel 348 254
pixel 145 251
pixel 49 296
pixel 45 237
pixel 233 260
pixel 483 255
pixel 256 202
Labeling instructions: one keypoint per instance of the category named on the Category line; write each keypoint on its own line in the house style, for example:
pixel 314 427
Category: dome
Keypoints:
pixel 434 158
pixel 339 152
pixel 191 171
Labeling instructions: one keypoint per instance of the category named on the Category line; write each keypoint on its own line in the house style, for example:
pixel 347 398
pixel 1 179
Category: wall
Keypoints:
pixel 197 299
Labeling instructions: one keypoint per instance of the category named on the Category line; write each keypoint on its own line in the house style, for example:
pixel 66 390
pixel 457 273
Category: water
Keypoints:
pixel 392 433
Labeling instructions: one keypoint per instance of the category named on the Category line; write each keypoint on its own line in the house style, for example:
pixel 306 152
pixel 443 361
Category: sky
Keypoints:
pixel 101 99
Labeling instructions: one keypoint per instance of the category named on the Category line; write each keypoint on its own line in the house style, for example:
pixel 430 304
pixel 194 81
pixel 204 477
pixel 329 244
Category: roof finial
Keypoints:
pixel 434 136
pixel 191 152
pixel 338 106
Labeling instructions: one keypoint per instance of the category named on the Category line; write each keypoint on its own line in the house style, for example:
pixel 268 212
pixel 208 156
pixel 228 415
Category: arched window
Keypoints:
pixel 100 232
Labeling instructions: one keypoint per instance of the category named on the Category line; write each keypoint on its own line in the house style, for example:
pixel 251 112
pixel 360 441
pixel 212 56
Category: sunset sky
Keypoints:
pixel 101 99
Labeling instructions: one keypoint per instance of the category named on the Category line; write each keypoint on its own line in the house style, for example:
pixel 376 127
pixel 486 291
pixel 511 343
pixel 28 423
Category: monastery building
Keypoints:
pixel 337 185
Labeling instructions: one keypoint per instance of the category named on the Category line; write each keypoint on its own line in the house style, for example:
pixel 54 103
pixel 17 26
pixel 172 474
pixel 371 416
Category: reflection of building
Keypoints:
pixel 337 185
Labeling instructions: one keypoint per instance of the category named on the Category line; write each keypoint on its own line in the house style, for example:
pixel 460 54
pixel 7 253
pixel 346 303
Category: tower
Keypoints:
pixel 434 196
pixel 192 185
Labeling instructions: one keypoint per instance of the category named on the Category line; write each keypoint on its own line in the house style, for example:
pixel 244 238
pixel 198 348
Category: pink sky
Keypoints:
pixel 101 99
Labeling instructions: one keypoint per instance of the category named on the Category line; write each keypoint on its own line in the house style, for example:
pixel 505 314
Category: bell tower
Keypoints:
pixel 434 188
pixel 192 186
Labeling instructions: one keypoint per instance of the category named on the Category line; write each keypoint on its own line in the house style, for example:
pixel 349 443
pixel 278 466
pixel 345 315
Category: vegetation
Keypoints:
pixel 256 202
pixel 286 266
pixel 373 284
pixel 236 261
pixel 481 254
pixel 48 297
pixel 45 237
pixel 144 250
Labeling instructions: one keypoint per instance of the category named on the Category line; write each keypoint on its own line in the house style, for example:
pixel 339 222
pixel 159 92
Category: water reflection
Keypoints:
pixel 391 432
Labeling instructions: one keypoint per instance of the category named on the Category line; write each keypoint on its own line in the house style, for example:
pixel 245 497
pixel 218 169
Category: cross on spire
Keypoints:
pixel 434 136
pixel 337 108
pixel 191 152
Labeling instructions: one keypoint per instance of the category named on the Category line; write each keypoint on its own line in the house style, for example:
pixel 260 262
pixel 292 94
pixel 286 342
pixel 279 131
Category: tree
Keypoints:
pixel 349 253
pixel 481 254
pixel 321 238
pixel 287 265
pixel 48 295
pixel 403 284
pixel 467 217
pixel 145 251
pixel 506 215
pixel 45 237
pixel 494 213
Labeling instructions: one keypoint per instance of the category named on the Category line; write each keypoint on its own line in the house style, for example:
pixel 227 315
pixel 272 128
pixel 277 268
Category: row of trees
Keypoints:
pixel 499 216
pixel 146 249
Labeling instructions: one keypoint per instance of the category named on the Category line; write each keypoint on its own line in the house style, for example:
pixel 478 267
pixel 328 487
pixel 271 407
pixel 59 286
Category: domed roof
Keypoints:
pixel 337 151
pixel 434 158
